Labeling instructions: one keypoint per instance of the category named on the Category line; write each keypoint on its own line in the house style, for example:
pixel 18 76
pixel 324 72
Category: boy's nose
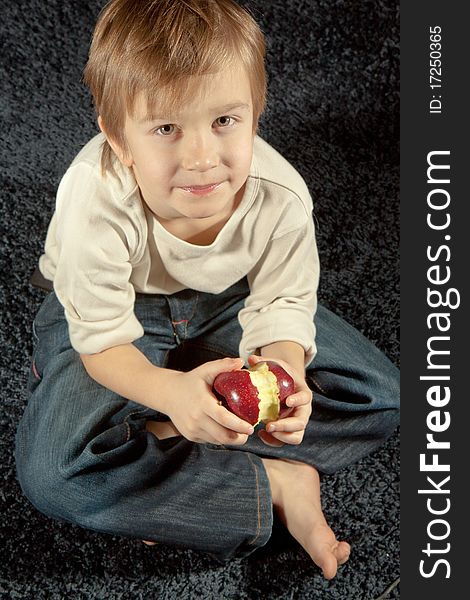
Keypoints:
pixel 200 154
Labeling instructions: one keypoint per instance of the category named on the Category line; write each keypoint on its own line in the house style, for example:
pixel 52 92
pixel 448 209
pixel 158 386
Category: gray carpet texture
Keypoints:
pixel 333 111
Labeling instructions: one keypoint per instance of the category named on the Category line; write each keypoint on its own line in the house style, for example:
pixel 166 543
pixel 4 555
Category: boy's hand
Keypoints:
pixel 195 411
pixel 291 429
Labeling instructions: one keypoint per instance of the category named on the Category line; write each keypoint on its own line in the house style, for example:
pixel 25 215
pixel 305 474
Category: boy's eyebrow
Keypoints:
pixel 217 109
pixel 229 107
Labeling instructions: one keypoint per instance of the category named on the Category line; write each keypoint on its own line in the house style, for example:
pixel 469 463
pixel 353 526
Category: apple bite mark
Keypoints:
pixel 257 394
pixel 265 382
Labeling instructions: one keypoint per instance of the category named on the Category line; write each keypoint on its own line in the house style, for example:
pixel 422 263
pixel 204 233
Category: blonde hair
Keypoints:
pixel 154 48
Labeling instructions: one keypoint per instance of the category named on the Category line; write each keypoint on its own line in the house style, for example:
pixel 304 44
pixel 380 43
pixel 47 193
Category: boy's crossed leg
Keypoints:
pixel 295 491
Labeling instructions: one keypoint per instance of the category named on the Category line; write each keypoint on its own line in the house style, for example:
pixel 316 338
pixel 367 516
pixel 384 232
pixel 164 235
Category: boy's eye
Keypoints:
pixel 224 121
pixel 166 129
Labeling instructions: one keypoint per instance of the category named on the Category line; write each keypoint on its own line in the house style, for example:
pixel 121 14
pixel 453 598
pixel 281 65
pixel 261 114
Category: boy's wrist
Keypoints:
pixel 157 387
pixel 290 352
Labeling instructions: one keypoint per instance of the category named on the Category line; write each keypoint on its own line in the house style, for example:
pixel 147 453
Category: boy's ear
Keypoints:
pixel 122 155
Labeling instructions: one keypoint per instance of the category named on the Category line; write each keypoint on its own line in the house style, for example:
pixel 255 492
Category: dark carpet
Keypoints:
pixel 333 112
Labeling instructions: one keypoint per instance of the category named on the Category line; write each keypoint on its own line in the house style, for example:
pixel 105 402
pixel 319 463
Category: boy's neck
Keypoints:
pixel 200 232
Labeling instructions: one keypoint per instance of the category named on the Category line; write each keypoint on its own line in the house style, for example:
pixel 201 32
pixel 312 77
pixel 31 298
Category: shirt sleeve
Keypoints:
pixel 283 294
pixel 94 239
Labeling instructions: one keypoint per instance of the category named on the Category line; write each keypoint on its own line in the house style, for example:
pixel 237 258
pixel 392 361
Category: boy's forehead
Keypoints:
pixel 212 92
pixel 144 115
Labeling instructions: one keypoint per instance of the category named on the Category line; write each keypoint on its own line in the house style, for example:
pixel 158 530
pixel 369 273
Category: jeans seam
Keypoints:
pixel 185 321
pixel 258 494
pixel 128 427
pixel 34 332
pixel 315 382
pixel 195 306
pixel 191 316
pixel 35 370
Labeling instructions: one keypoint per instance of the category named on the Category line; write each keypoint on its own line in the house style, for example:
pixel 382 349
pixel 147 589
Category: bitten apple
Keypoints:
pixel 257 394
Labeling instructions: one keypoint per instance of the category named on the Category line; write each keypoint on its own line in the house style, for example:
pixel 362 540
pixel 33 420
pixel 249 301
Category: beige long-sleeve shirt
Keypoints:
pixel 104 245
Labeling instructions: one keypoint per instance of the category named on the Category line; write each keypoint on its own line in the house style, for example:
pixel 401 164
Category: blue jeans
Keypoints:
pixel 83 454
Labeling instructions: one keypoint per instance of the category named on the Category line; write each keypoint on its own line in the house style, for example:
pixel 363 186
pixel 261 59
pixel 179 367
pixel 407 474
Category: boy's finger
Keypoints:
pixel 231 421
pixel 210 370
pixel 301 412
pixel 254 358
pixel 289 437
pixel 289 424
pixel 299 399
pixel 214 433
pixel 233 439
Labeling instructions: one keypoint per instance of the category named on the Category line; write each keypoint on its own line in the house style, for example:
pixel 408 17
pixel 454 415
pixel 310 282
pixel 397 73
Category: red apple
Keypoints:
pixel 257 394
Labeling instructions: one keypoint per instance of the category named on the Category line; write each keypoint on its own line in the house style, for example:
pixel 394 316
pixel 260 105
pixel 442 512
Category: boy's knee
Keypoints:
pixel 41 482
pixel 390 400
pixel 391 420
pixel 390 411
pixel 392 390
pixel 42 476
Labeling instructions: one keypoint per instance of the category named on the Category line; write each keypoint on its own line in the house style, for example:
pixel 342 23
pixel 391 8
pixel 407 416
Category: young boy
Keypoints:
pixel 180 242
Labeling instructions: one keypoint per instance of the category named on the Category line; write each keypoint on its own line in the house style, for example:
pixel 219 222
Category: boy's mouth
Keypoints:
pixel 201 190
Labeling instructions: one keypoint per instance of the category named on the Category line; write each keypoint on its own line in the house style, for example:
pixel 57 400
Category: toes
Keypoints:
pixel 329 565
pixel 332 557
pixel 342 552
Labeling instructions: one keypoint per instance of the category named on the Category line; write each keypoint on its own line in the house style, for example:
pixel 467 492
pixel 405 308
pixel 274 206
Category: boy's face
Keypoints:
pixel 194 162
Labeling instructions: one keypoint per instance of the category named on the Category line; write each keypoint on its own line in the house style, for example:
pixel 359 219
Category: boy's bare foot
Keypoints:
pixel 295 489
